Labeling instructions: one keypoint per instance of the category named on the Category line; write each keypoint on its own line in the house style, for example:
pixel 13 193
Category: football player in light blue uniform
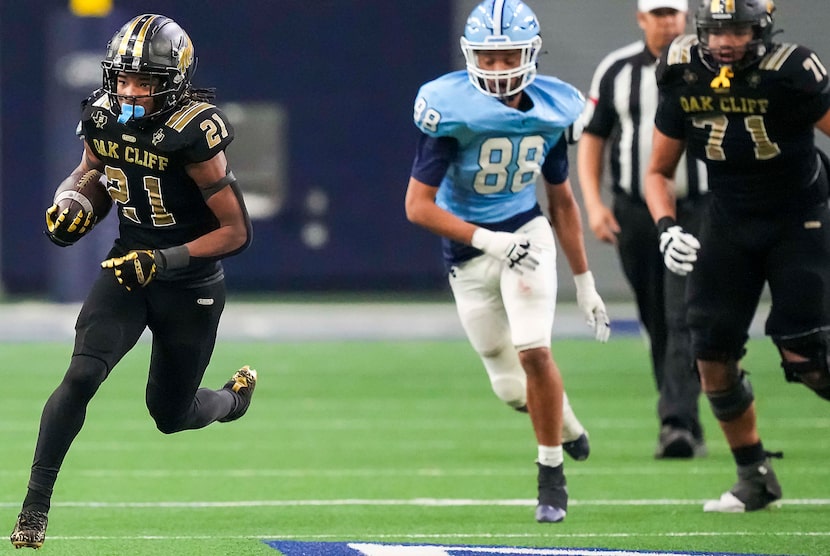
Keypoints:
pixel 488 133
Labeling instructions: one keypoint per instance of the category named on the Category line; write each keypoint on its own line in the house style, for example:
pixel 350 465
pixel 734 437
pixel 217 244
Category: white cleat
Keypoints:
pixel 730 504
pixel 727 503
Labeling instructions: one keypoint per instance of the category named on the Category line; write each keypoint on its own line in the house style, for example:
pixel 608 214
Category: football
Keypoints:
pixel 87 201
pixel 89 193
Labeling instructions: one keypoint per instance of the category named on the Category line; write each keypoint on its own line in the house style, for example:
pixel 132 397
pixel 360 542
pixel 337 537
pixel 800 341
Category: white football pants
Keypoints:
pixel 504 312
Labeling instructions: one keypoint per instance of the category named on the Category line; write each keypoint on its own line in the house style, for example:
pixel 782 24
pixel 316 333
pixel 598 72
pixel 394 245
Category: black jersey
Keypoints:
pixel 753 126
pixel 159 205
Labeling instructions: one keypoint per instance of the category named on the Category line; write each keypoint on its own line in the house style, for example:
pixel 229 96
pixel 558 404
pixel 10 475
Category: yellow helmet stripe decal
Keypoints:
pixel 136 38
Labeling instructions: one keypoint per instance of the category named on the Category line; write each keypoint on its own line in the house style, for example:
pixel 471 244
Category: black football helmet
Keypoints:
pixel 154 45
pixel 725 14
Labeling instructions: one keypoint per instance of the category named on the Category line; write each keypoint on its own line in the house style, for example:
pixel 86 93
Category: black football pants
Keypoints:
pixel 788 250
pixel 183 322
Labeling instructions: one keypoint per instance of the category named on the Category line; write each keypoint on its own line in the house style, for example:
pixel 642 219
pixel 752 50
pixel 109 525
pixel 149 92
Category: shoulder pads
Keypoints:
pixel 680 50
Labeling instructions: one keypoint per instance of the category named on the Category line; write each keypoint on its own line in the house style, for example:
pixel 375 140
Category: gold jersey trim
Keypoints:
pixel 102 102
pixel 184 115
pixel 776 59
pixel 680 51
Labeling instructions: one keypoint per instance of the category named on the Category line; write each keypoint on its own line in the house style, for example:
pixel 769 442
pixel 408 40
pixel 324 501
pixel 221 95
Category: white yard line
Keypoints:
pixel 422 502
pixel 573 470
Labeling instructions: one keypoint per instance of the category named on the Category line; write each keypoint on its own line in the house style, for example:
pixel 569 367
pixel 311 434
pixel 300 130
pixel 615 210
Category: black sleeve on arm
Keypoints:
pixel 555 166
pixel 433 156
pixel 248 226
pixel 670 119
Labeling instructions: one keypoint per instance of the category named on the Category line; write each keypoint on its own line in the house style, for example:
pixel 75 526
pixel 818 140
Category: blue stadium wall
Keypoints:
pixel 344 71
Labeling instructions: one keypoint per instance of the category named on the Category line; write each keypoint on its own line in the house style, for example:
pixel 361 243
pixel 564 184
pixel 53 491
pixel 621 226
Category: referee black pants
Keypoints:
pixel 660 296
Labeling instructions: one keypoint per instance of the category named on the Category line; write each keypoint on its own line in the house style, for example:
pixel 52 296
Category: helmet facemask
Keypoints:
pixel 506 83
pixel 754 50
pixel 164 94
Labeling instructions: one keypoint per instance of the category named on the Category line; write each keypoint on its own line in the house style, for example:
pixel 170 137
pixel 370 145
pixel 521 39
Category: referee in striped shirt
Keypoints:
pixel 619 116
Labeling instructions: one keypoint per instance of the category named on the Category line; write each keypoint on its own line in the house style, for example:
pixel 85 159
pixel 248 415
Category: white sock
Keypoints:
pixel 550 455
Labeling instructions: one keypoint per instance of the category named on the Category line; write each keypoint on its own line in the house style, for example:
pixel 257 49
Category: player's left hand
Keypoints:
pixel 135 269
pixel 679 249
pixel 592 306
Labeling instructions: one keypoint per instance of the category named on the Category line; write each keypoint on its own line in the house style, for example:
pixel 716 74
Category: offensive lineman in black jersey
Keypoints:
pixel 161 146
pixel 748 108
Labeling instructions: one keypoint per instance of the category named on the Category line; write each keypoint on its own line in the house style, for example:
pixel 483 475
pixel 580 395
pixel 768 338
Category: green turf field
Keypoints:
pixel 401 442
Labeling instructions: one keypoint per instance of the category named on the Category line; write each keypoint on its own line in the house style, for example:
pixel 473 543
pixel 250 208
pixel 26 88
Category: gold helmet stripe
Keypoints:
pixel 133 42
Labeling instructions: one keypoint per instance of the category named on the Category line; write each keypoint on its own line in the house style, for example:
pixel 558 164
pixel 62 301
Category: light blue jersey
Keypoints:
pixel 500 149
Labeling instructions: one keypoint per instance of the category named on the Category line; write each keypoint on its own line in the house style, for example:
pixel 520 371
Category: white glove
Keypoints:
pixel 679 250
pixel 514 249
pixel 592 306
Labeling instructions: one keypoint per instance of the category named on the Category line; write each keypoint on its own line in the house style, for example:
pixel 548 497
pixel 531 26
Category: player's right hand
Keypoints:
pixel 679 250
pixel 603 223
pixel 63 230
pixel 514 249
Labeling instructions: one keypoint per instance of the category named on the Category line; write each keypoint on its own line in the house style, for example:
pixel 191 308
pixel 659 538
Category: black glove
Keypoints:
pixel 135 269
pixel 63 229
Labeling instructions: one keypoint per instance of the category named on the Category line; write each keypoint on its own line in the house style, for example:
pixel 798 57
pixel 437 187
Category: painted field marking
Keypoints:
pixel 425 502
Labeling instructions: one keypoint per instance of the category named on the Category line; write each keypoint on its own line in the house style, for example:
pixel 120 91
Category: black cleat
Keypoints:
pixel 756 489
pixel 30 530
pixel 678 443
pixel 553 494
pixel 578 449
pixel 241 383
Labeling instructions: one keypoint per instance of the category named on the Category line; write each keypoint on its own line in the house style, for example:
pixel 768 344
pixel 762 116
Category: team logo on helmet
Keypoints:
pixel 724 7
pixel 185 54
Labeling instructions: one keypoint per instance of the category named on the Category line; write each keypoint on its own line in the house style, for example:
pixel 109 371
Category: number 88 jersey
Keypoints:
pixel 753 126
pixel 159 205
pixel 500 149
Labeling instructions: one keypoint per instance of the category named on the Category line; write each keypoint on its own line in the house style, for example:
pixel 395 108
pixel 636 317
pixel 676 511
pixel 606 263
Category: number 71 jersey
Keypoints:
pixel 753 126
pixel 500 149
pixel 159 205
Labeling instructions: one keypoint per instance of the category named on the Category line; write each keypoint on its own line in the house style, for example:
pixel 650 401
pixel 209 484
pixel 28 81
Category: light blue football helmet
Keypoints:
pixel 502 25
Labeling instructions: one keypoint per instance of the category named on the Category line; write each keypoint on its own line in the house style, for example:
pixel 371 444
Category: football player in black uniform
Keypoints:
pixel 161 145
pixel 748 108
